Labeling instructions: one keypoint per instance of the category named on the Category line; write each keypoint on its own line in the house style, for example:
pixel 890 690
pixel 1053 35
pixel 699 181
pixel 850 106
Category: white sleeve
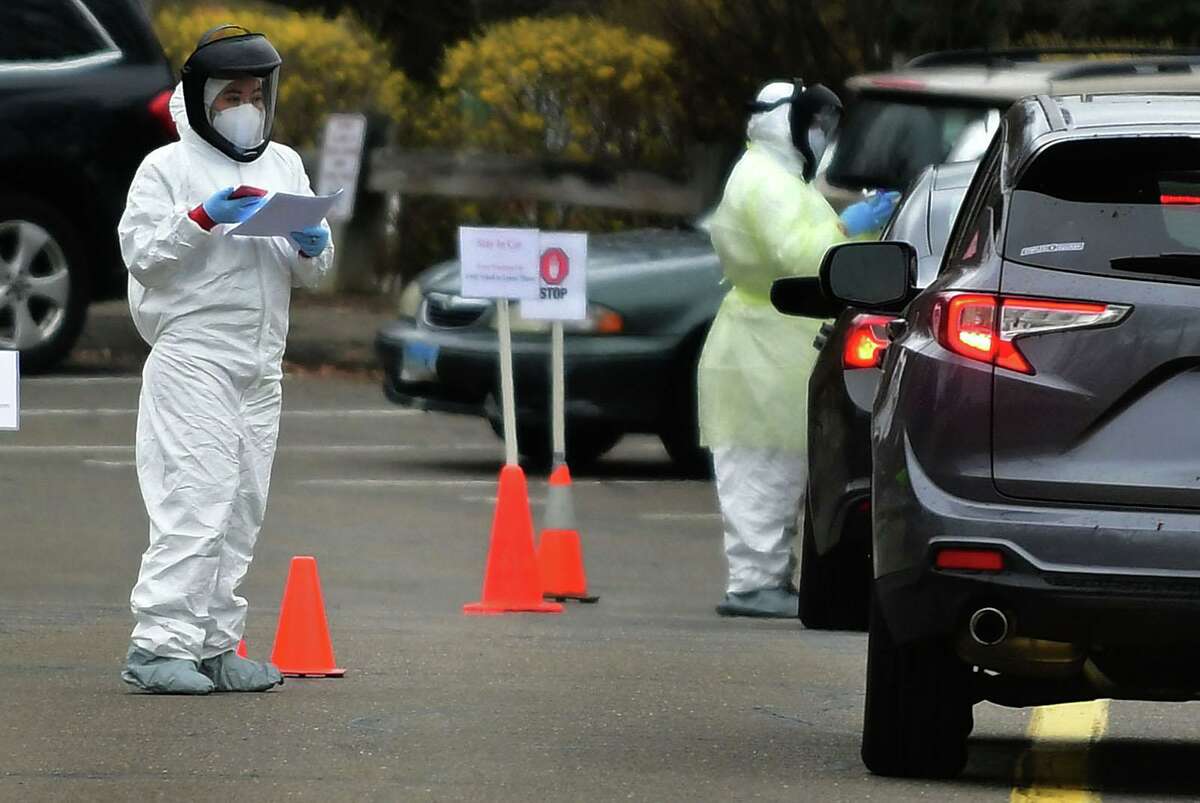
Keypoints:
pixel 155 232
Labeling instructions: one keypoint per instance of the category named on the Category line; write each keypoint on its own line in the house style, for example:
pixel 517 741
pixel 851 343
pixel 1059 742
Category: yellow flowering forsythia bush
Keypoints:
pixel 328 65
pixel 565 87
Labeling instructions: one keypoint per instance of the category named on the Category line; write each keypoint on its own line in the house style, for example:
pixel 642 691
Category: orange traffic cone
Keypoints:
pixel 241 650
pixel 560 552
pixel 511 581
pixel 302 646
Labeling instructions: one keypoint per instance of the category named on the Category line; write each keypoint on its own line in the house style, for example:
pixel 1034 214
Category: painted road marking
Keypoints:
pixel 110 463
pixel 453 483
pixel 679 516
pixel 113 412
pixel 334 448
pixel 81 380
pixel 1055 767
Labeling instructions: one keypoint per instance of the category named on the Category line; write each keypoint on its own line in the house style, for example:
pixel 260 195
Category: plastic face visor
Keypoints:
pixel 231 58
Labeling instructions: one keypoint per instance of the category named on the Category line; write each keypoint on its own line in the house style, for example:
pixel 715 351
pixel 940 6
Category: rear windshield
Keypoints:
pixel 886 142
pixel 1119 207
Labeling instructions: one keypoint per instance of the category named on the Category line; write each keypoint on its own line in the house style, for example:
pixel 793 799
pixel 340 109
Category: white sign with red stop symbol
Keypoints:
pixel 562 279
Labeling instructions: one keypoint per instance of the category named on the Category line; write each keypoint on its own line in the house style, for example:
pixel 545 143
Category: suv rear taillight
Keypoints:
pixel 985 327
pixel 160 110
pixel 866 341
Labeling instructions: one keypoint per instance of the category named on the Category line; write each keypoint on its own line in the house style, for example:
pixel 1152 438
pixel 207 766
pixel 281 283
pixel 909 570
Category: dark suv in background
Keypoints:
pixel 84 87
pixel 1036 487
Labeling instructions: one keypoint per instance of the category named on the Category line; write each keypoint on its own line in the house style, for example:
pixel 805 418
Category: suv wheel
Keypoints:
pixel 835 588
pixel 43 295
pixel 918 710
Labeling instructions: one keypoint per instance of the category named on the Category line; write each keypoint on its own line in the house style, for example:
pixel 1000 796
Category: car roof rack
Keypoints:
pixel 1010 57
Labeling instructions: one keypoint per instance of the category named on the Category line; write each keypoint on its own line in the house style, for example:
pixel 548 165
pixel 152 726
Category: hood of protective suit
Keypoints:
pixel 771 131
pixel 179 115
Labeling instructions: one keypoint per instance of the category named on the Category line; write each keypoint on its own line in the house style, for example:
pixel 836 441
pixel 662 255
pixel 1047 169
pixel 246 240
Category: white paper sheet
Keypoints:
pixel 284 213
pixel 10 390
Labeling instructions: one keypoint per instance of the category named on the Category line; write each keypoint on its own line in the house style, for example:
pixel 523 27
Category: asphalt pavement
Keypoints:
pixel 646 695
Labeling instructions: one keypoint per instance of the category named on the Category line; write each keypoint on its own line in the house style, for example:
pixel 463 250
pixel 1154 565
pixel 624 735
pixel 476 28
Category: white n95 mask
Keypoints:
pixel 242 125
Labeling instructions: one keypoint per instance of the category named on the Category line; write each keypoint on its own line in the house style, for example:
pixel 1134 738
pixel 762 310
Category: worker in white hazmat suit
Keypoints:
pixel 214 308
pixel 754 370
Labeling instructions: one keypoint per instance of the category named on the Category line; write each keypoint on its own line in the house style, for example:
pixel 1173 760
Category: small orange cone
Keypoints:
pixel 510 581
pixel 302 646
pixel 560 552
pixel 241 650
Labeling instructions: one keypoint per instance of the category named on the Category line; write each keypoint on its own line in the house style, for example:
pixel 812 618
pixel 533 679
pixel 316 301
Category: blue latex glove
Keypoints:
pixel 222 209
pixel 311 240
pixel 871 214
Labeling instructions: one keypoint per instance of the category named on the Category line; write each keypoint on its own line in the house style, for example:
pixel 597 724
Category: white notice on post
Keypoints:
pixel 498 263
pixel 10 390
pixel 562 278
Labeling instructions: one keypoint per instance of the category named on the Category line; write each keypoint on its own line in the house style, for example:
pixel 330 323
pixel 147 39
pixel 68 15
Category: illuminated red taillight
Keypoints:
pixel 866 341
pixel 160 110
pixel 975 560
pixel 984 328
pixel 1184 200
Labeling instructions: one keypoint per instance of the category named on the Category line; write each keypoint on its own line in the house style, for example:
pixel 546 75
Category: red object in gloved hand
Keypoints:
pixel 246 191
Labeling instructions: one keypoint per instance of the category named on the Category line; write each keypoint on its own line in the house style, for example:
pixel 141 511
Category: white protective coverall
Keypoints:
pixel 754 370
pixel 214 308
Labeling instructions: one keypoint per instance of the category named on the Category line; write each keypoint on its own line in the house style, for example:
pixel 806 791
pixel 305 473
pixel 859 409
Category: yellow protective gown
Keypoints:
pixel 753 380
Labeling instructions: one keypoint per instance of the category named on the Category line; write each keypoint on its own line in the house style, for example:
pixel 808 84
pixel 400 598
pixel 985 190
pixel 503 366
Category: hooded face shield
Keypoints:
pixel 230 86
pixel 813 116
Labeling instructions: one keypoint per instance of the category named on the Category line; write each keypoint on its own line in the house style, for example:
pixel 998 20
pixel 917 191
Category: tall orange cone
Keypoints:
pixel 560 551
pixel 510 581
pixel 302 645
pixel 241 650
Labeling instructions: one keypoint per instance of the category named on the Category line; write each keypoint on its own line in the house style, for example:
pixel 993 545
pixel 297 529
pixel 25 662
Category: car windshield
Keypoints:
pixel 886 142
pixel 1118 207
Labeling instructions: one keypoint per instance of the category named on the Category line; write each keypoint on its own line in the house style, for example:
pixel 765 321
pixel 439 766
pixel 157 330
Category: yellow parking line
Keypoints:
pixel 1055 767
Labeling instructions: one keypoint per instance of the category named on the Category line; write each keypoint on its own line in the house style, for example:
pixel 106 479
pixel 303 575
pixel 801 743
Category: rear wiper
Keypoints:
pixel 1185 265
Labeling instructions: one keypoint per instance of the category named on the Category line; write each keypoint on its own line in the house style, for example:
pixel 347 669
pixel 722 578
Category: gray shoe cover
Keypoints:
pixel 767 603
pixel 158 675
pixel 230 672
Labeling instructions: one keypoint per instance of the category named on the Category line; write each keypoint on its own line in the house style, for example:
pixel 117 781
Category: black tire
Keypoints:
pixel 918 711
pixel 835 588
pixel 681 434
pixel 585 444
pixel 62 252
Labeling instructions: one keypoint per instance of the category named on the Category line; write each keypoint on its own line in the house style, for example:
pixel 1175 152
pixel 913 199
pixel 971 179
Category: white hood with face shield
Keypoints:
pixel 771 131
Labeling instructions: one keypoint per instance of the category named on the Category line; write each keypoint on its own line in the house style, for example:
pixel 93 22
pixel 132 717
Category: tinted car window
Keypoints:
pixel 975 236
pixel 48 31
pixel 1120 207
pixel 886 142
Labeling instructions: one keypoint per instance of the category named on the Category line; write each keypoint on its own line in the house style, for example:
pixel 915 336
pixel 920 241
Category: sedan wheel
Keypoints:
pixel 42 304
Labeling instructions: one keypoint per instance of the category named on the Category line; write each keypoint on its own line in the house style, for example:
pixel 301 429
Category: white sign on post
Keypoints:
pixel 341 159
pixel 499 263
pixel 10 390
pixel 562 279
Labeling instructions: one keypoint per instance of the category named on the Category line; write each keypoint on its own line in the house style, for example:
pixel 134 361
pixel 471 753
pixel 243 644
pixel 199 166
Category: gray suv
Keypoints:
pixel 1036 477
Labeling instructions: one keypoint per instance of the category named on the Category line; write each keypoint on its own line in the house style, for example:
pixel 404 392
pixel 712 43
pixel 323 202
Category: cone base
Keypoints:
pixel 584 598
pixel 497 608
pixel 317 673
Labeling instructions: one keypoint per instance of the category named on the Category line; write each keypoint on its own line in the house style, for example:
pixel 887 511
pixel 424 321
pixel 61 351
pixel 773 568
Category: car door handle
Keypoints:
pixel 896 328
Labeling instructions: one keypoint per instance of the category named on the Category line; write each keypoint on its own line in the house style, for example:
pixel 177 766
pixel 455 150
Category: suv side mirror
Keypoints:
pixel 803 296
pixel 876 276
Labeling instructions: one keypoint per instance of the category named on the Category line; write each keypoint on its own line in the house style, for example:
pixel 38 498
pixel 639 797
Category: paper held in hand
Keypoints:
pixel 284 213
pixel 10 390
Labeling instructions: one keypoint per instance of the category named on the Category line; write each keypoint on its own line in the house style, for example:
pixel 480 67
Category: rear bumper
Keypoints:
pixel 621 381
pixel 1094 577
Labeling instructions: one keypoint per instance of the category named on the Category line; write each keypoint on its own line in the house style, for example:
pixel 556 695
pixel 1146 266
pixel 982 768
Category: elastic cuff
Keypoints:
pixel 201 218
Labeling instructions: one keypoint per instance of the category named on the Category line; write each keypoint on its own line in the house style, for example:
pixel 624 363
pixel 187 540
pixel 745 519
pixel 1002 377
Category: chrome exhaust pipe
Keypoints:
pixel 988 626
